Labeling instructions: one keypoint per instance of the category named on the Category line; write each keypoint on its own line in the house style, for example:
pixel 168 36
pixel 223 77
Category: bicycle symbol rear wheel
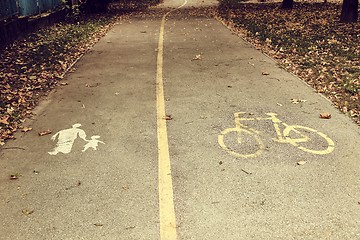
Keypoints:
pixel 304 139
pixel 240 134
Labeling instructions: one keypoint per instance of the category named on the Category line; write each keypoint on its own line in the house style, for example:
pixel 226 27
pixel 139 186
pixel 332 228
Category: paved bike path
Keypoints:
pixel 220 196
pixel 209 74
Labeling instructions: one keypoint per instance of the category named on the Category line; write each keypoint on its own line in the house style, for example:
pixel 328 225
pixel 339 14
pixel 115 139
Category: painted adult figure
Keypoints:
pixel 66 139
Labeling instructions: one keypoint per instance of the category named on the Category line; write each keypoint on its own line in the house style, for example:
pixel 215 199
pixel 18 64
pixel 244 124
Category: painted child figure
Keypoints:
pixel 93 143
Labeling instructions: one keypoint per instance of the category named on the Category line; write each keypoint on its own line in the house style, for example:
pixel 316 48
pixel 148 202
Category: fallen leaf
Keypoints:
pixel 26 129
pixel 168 117
pixel 46 132
pixel 14 177
pixel 4 120
pixel 297 101
pixel 301 162
pixel 27 211
pixel 325 115
pixel 265 73
pixel 197 57
pixel 93 85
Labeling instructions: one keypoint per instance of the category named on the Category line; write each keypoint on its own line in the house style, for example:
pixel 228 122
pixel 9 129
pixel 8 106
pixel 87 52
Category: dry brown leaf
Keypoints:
pixel 46 132
pixel 168 117
pixel 325 115
pixel 14 177
pixel 4 120
pixel 26 129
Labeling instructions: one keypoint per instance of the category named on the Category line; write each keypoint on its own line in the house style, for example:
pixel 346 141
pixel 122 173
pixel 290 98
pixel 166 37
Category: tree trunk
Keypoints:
pixel 288 4
pixel 349 12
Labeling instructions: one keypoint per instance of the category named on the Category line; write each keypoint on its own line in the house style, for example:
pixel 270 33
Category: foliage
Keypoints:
pixel 31 67
pixel 308 41
pixel 73 12
pixel 132 5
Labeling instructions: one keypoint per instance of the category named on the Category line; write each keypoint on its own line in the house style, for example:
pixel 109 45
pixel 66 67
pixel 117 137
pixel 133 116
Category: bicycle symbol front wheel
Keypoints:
pixel 244 143
pixel 305 143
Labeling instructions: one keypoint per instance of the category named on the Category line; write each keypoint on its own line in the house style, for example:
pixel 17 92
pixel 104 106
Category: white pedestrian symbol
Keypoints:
pixel 67 137
pixel 93 143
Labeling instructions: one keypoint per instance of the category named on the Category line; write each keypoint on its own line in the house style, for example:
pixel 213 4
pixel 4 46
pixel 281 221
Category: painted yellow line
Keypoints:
pixel 166 198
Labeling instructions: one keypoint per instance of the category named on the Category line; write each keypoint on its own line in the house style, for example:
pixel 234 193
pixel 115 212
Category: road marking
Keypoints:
pixel 166 197
pixel 282 136
pixel 66 138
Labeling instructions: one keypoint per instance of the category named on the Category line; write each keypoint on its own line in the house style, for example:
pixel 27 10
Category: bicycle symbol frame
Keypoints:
pixel 281 136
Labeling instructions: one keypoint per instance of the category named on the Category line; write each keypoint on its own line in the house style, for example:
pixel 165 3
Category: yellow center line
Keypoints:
pixel 166 198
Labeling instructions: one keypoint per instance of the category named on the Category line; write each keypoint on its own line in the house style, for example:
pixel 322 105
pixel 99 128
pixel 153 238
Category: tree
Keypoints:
pixel 287 4
pixel 349 12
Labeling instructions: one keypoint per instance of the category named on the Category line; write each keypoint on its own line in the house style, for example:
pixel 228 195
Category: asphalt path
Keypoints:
pixel 175 128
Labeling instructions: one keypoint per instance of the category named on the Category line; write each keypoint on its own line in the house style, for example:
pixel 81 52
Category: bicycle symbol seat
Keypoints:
pixel 295 135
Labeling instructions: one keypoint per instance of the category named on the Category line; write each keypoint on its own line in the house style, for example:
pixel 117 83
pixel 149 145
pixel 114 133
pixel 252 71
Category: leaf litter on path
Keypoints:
pixel 31 66
pixel 308 41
